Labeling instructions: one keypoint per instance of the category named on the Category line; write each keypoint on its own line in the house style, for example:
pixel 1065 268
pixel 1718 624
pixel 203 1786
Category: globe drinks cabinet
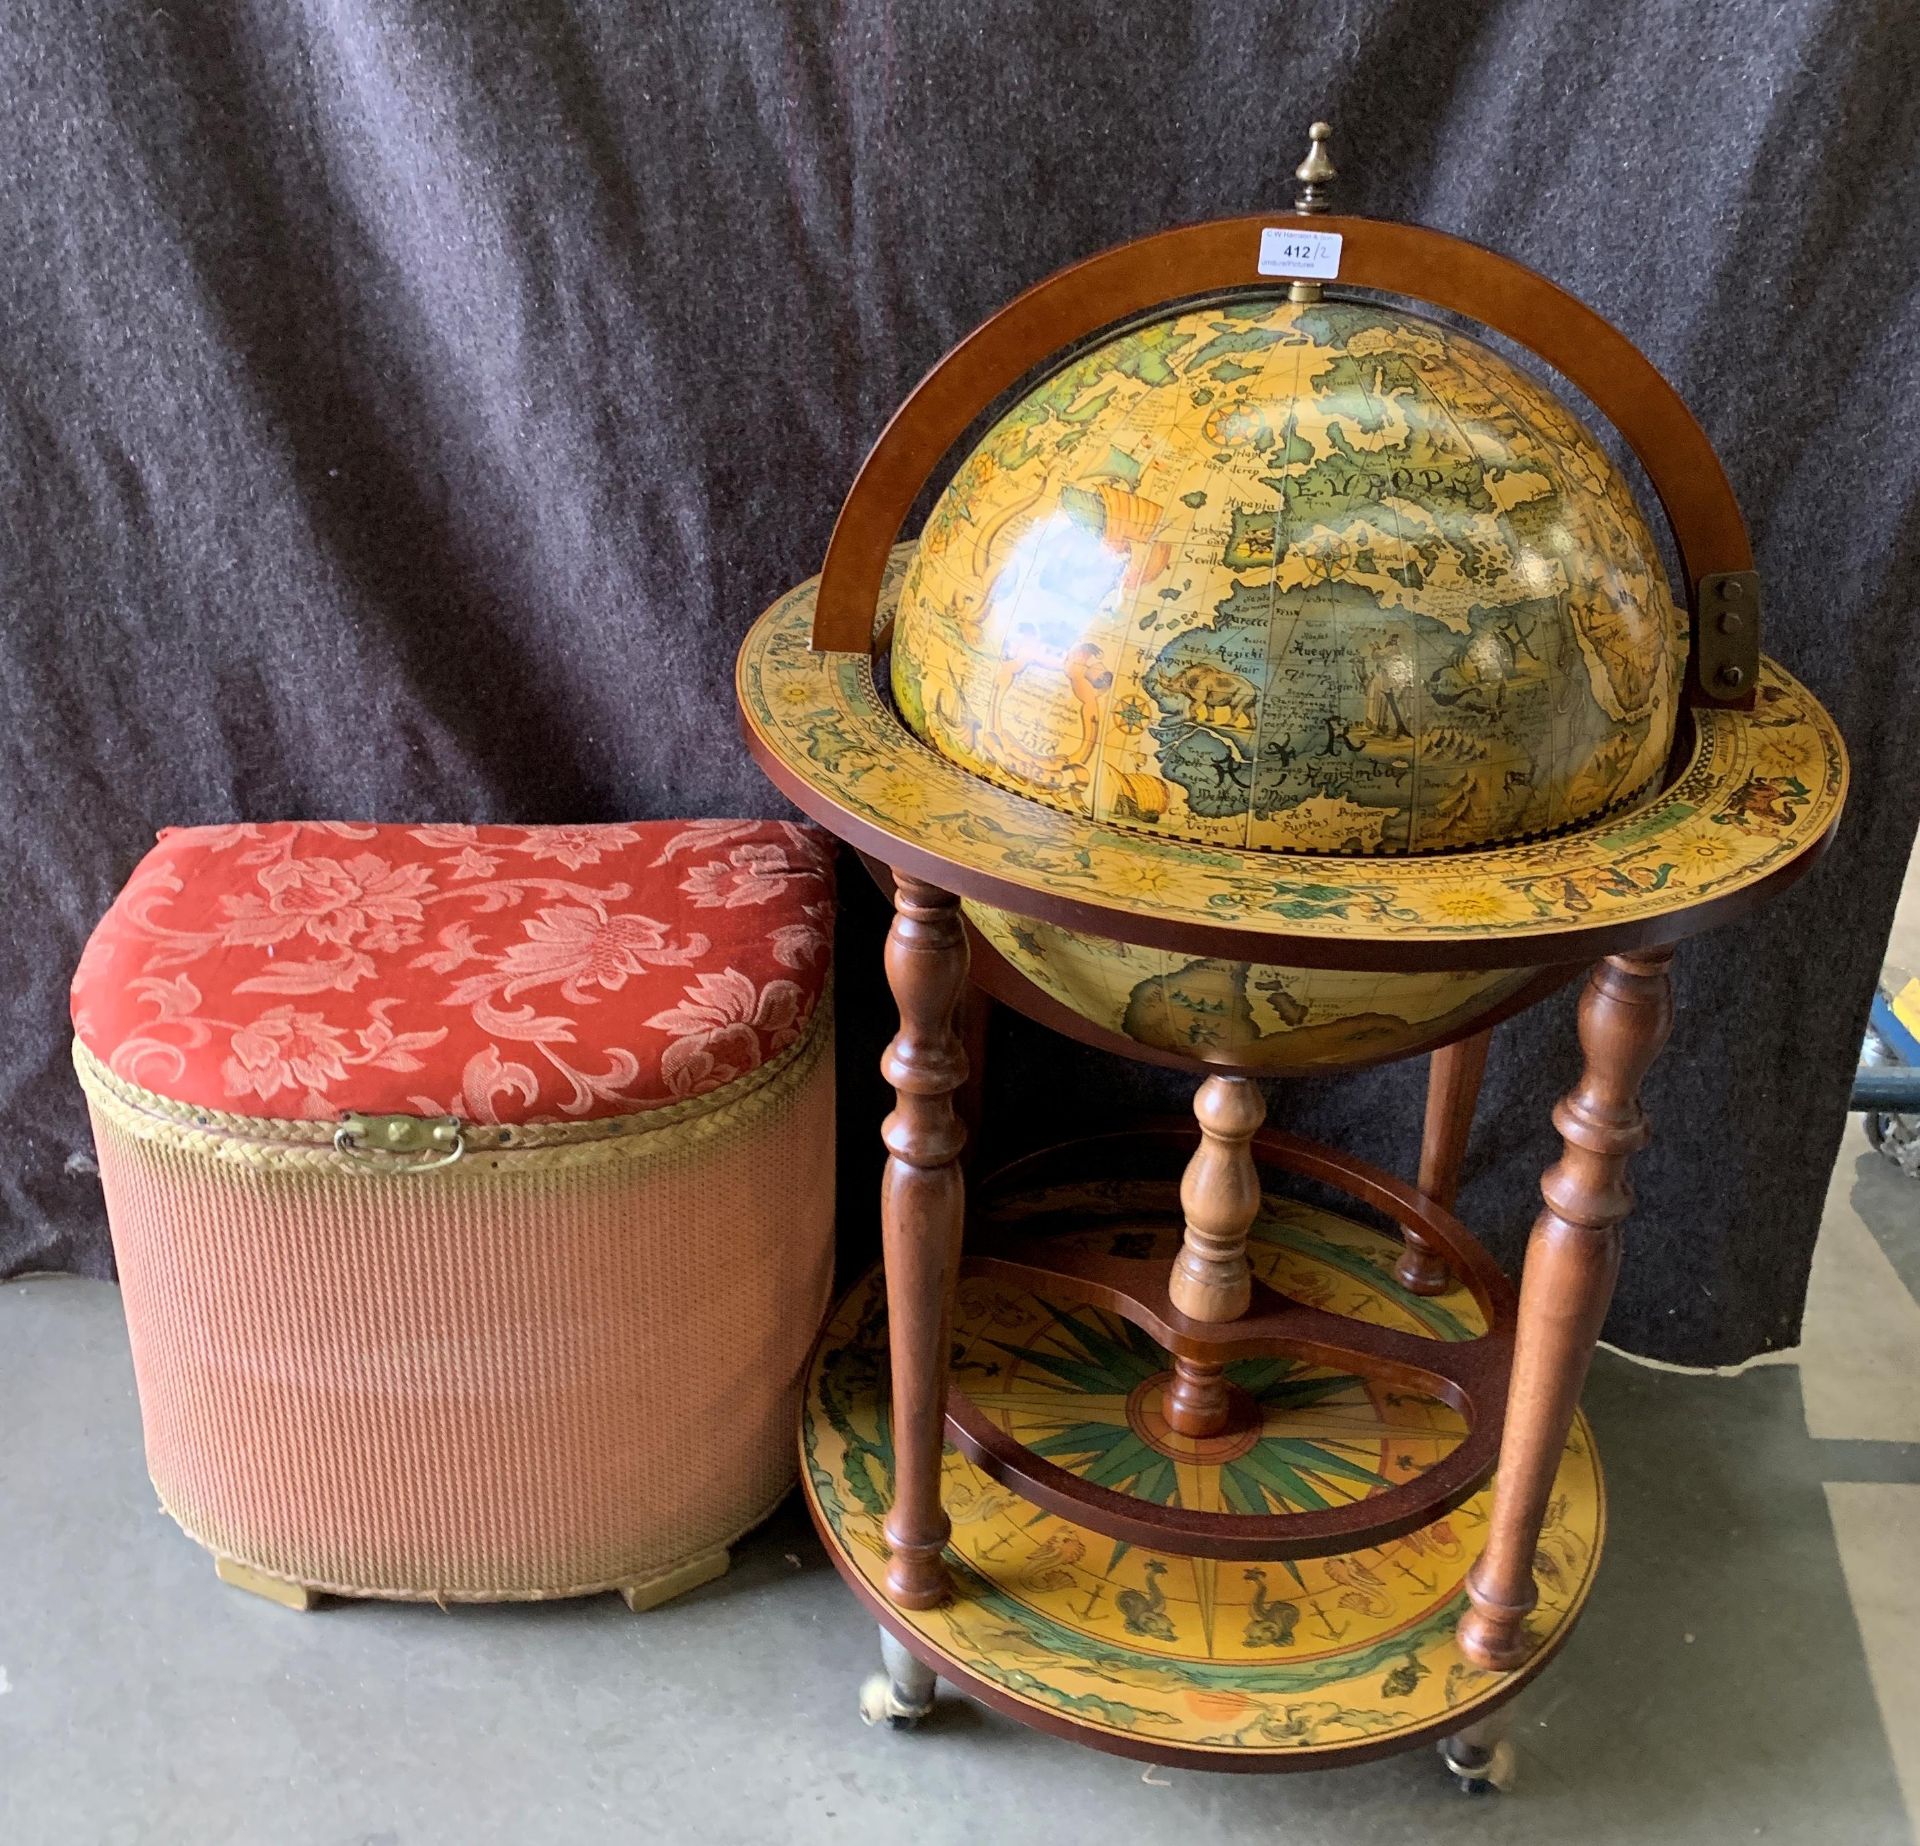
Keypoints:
pixel 1287 681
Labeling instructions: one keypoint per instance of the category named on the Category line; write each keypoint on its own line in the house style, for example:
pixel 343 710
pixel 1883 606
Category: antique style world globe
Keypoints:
pixel 1292 576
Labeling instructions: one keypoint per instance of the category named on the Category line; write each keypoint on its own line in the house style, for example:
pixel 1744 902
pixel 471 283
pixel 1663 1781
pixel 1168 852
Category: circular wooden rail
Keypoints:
pixel 1469 1375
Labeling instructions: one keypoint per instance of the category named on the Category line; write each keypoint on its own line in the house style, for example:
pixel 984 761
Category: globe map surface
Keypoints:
pixel 1320 576
pixel 1324 577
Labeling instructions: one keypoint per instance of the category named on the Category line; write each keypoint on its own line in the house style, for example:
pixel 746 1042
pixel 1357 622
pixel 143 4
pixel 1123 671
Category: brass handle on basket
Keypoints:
pixel 400 1143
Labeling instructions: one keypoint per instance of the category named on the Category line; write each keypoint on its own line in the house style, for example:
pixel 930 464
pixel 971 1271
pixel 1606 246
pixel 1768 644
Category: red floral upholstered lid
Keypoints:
pixel 501 974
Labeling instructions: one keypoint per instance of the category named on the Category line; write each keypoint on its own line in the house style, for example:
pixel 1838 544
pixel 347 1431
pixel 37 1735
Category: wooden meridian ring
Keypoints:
pixel 1199 259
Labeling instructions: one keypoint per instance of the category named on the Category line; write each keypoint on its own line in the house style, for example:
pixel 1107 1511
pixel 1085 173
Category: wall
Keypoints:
pixel 408 406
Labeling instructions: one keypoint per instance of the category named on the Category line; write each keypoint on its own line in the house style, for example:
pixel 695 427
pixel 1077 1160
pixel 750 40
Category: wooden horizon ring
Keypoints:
pixel 790 697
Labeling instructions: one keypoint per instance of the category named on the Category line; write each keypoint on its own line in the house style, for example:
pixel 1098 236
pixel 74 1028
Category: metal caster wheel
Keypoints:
pixel 1478 1769
pixel 881 1703
pixel 902 1694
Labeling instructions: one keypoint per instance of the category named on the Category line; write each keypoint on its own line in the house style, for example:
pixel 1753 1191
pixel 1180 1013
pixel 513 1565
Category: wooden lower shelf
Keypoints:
pixel 1191 1661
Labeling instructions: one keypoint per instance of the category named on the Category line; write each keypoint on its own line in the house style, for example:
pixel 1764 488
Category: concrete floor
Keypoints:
pixel 1719 1689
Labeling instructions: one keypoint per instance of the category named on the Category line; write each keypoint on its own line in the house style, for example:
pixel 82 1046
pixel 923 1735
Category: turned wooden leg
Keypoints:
pixel 1220 1195
pixel 922 1202
pixel 1453 1087
pixel 1572 1258
pixel 974 1017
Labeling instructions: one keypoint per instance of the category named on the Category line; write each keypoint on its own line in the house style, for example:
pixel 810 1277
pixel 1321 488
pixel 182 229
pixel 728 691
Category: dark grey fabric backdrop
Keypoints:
pixel 408 404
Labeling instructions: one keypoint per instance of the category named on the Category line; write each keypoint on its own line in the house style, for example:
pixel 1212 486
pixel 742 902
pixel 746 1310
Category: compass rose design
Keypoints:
pixel 1085 1389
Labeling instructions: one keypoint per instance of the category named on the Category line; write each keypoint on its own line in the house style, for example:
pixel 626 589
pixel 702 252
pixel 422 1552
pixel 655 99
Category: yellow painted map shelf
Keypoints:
pixel 1187 1660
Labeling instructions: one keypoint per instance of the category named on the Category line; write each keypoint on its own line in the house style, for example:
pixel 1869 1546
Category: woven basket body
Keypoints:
pixel 543 1371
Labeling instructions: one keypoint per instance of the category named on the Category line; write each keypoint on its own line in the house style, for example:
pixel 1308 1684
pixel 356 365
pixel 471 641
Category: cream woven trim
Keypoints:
pixel 273 1141
pixel 359 1592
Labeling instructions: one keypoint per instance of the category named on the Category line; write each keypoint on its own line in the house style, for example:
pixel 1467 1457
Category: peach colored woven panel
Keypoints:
pixel 527 1375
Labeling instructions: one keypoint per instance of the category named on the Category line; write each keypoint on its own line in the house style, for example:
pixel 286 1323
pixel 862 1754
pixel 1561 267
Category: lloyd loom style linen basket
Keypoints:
pixel 472 1193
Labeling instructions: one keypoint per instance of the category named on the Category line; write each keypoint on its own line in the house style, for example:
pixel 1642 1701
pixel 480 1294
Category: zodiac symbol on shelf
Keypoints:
pixel 1763 804
pixel 1361 1589
pixel 1272 1623
pixel 1145 1613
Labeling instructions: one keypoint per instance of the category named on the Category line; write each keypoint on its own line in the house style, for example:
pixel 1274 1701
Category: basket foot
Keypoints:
pixel 902 1694
pixel 653 1591
pixel 258 1583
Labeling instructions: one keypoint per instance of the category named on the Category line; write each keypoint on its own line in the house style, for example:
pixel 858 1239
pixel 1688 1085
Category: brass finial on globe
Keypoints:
pixel 1316 173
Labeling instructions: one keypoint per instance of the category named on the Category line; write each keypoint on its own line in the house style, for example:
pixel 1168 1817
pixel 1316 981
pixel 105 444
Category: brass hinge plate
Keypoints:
pixel 1725 661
